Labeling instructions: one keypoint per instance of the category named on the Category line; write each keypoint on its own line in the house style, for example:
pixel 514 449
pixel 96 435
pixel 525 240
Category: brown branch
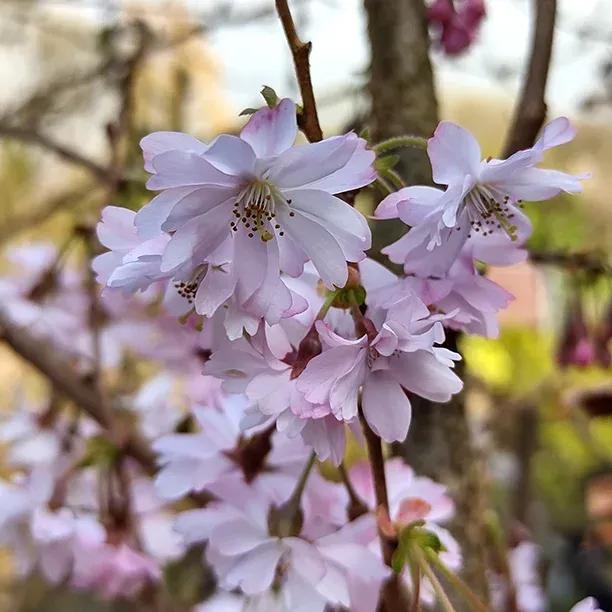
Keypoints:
pixel 119 130
pixel 61 375
pixel 63 201
pixel 31 136
pixel 309 118
pixel 572 262
pixel 392 594
pixel 530 111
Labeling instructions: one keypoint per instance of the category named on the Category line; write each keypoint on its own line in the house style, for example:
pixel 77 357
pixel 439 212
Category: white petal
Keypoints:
pixel 255 571
pixel 237 537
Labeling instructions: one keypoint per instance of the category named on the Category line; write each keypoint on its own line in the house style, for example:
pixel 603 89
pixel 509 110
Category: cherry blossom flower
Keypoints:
pixel 29 441
pixel 470 300
pixel 269 203
pixel 201 284
pixel 59 536
pixel 587 605
pixel 523 562
pixel 400 356
pixel 424 258
pixel 412 498
pixel 458 25
pixel 482 199
pixel 113 571
pixel 306 575
pixel 198 461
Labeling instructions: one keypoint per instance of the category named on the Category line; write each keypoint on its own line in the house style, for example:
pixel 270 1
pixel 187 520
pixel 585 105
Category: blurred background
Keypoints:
pixel 83 81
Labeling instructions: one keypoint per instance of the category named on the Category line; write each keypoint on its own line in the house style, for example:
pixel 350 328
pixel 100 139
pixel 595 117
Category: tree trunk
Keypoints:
pixel 404 102
pixel 401 90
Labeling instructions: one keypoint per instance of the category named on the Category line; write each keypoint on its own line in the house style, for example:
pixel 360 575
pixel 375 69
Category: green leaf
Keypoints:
pixel 269 95
pixel 247 111
pixel 428 539
pixel 398 560
pixel 388 162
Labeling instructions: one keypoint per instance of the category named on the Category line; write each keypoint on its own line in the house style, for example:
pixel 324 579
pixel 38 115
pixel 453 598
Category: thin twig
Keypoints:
pixel 530 111
pixel 26 221
pixel 59 372
pixel 356 506
pixel 590 263
pixel 31 136
pixel 309 118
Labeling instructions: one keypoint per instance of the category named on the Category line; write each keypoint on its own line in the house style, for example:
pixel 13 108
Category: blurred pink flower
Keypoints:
pixel 457 23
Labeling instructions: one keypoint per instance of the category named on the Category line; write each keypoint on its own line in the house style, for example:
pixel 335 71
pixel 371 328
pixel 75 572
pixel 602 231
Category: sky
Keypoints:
pixel 337 29
pixel 255 54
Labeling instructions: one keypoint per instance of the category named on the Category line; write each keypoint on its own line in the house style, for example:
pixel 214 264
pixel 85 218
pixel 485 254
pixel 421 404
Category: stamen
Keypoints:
pixel 255 208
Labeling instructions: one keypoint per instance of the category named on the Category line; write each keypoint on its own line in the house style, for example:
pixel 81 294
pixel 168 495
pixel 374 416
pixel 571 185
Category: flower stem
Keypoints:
pixel 397 142
pixel 394 178
pixel 441 595
pixel 356 505
pixel 329 300
pixel 465 591
pixel 301 483
pixel 287 519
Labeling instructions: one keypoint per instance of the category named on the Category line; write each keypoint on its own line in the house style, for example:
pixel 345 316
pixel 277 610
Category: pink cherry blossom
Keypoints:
pixel 425 257
pixel 113 571
pixel 481 201
pixel 306 574
pixel 269 203
pixel 59 536
pixel 400 356
pixel 199 283
pixel 203 460
pixel 458 24
pixel 587 605
pixel 523 561
pixel 412 498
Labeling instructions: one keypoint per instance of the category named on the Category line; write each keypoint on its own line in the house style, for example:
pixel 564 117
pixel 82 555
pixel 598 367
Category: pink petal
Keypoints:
pixel 318 244
pixel 454 153
pixel 183 169
pixel 232 155
pixel 335 165
pixel 386 407
pixel 270 131
pixel 160 142
pixel 215 289
pixel 204 233
pixel 347 225
pixel 421 373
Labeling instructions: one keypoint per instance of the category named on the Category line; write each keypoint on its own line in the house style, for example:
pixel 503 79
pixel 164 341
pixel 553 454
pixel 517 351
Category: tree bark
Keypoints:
pixel 401 88
pixel 403 99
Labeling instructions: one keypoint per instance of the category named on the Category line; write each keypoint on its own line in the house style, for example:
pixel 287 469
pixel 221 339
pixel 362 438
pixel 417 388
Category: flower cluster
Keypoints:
pixel 274 340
